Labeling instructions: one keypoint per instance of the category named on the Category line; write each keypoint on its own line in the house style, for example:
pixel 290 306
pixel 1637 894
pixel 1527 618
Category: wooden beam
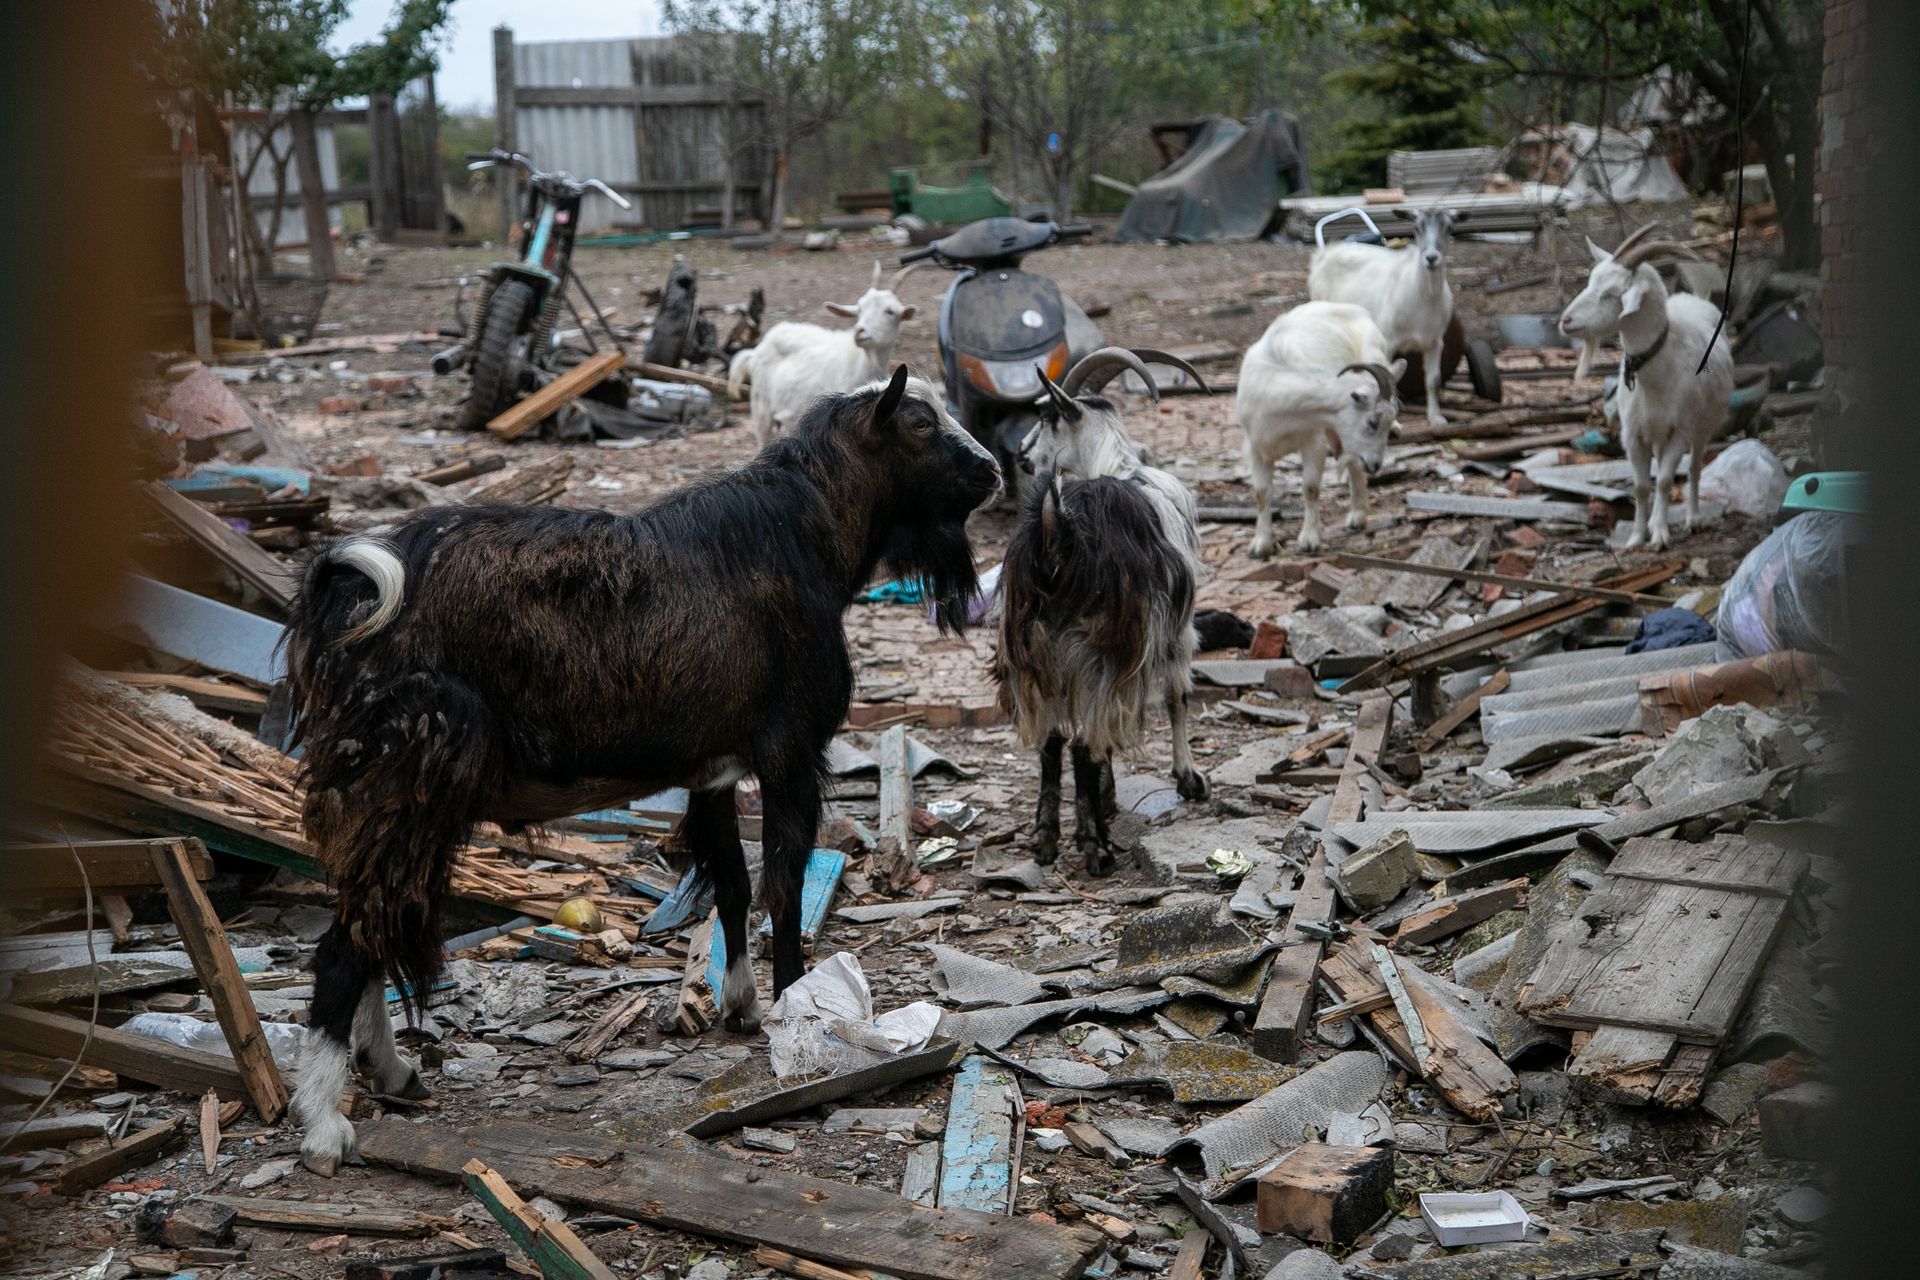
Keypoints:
pixel 788 1264
pixel 977 1150
pixel 1461 711
pixel 667 373
pixel 520 418
pixel 253 566
pixel 1280 1027
pixel 84 1173
pixel 554 1247
pixel 1192 1256
pixel 1369 739
pixel 208 695
pixel 1502 580
pixel 312 1215
pixel 847 1226
pixel 149 1061
pixel 110 864
pixel 1462 911
pixel 206 942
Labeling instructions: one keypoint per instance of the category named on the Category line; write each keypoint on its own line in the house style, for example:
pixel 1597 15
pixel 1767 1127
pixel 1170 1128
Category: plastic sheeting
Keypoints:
pixel 1791 590
pixel 1226 185
pixel 1619 164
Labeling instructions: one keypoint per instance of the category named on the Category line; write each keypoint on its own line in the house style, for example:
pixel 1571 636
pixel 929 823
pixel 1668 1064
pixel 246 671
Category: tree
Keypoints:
pixel 273 55
pixel 810 62
pixel 1429 96
pixel 1568 49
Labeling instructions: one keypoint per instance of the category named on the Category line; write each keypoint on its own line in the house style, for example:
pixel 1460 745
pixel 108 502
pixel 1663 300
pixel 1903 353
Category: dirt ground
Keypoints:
pixel 1157 296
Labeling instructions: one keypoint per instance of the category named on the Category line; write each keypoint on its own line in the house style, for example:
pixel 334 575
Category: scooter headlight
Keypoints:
pixel 1013 379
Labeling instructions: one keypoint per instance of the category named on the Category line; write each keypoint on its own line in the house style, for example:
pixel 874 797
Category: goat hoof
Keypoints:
pixel 1099 862
pixel 1308 545
pixel 1046 849
pixel 329 1144
pixel 1356 519
pixel 742 1024
pixel 414 1089
pixel 1261 550
pixel 1191 784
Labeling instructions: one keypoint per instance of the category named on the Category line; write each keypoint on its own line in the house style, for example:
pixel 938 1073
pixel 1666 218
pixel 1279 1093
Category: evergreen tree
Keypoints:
pixel 1428 96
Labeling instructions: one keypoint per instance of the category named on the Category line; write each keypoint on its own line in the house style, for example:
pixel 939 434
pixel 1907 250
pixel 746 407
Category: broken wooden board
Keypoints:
pixel 1674 946
pixel 1370 731
pixel 1460 712
pixel 141 1058
pixel 206 942
pixel 249 563
pixel 692 377
pixel 1280 1027
pixel 109 864
pixel 1452 646
pixel 554 1246
pixel 1623 1254
pixel 1399 584
pixel 976 1156
pixel 1462 911
pixel 208 695
pixel 1409 568
pixel 1465 1071
pixel 519 418
pixel 314 1215
pixel 83 1173
pixel 1633 1068
pixel 1468 504
pixel 689 1190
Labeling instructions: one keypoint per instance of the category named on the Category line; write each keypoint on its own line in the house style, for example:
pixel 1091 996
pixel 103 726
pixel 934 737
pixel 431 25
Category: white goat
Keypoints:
pixel 1080 436
pixel 1317 378
pixel 1404 290
pixel 796 363
pixel 1668 404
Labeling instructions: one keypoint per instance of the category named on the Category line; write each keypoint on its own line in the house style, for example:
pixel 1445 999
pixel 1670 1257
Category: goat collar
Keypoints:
pixel 1637 360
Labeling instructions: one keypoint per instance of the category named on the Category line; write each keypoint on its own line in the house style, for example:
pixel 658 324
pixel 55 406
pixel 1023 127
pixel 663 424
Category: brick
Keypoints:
pixel 1794 1121
pixel 1290 680
pixel 1325 1193
pixel 1269 641
pixel 1515 564
pixel 339 404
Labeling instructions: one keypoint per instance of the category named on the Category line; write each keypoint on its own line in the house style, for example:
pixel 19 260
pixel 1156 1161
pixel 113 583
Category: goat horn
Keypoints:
pixel 1633 239
pixel 893 286
pixel 1062 402
pixel 1653 250
pixel 876 275
pixel 1381 374
pixel 1098 368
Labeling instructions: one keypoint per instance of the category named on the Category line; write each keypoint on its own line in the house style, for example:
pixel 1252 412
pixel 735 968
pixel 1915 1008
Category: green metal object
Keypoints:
pixel 1844 491
pixel 947 206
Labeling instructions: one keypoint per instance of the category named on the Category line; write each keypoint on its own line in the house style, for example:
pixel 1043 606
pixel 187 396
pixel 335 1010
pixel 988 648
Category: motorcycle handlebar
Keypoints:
pixel 1079 229
pixel 917 255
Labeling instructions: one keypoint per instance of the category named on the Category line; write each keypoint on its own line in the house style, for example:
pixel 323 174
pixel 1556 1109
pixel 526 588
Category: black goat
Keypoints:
pixel 516 665
pixel 1094 630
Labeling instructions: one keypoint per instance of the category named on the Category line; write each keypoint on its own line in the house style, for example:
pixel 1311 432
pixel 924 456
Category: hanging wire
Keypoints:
pixel 1739 183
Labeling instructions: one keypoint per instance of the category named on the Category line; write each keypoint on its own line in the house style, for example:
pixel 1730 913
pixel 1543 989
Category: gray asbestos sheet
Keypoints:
pixel 1252 1136
pixel 1140 1135
pixel 1468 831
pixel 184 625
pixel 1057 1073
pixel 972 982
pixel 993 1028
pixel 789 1098
pixel 897 910
pixel 1585 665
pixel 1609 715
pixel 1465 504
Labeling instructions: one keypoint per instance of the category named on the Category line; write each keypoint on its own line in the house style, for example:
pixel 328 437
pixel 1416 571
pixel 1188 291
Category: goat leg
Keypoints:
pixel 713 837
pixel 342 971
pixel 1187 778
pixel 790 798
pixel 1109 795
pixel 1046 819
pixel 1090 816
pixel 376 1054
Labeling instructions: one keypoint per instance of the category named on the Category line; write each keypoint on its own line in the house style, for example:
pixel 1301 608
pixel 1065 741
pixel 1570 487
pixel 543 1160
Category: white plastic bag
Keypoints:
pixel 1791 590
pixel 826 1021
pixel 283 1038
pixel 1748 478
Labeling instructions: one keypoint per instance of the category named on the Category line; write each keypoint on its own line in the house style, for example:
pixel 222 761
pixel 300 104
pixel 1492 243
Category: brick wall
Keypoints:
pixel 1841 175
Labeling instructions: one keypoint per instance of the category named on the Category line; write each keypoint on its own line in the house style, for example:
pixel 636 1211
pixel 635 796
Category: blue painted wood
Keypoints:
pixel 817 886
pixel 685 902
pixel 977 1152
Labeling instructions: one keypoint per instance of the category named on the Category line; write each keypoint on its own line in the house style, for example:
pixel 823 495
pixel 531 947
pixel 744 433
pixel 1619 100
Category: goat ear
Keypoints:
pixel 1599 255
pixel 908 312
pixel 1458 216
pixel 1644 277
pixel 1398 369
pixel 842 309
pixel 889 402
pixel 1062 403
pixel 1049 509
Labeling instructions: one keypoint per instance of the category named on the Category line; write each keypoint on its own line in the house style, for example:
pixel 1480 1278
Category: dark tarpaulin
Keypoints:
pixel 1227 185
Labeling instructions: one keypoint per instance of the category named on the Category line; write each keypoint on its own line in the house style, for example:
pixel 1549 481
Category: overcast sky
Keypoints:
pixel 465 80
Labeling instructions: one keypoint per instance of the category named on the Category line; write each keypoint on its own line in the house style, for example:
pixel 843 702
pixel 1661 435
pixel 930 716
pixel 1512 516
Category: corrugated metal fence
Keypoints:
pixel 639 115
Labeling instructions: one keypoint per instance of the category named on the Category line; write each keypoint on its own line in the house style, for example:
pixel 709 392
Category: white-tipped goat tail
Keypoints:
pixel 383 568
pixel 737 370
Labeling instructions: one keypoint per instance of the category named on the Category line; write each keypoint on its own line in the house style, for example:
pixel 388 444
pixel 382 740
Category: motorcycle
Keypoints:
pixel 508 340
pixel 999 326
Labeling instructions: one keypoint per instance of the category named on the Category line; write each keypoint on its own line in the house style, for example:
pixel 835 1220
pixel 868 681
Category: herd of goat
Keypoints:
pixel 701 639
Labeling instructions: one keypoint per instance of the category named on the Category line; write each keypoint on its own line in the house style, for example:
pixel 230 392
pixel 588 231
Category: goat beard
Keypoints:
pixel 940 557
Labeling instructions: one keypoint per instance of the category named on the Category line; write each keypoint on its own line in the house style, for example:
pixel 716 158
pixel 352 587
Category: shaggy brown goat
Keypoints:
pixel 517 665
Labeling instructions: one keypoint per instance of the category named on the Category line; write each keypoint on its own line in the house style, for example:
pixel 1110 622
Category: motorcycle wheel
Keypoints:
pixel 509 313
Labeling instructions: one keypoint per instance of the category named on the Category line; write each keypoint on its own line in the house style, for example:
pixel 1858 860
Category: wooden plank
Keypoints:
pixel 1453 646
pixel 921 1181
pixel 206 942
pixel 692 1190
pixel 1725 862
pixel 694 1010
pixel 1192 1257
pixel 806 1269
pixel 83 1173
pixel 109 864
pixel 1623 1065
pixel 1502 580
pixel 1469 504
pixel 1369 738
pixel 667 373
pixel 312 1215
pixel 1462 911
pixel 139 1058
pixel 1458 714
pixel 226 544
pixel 463 469
pixel 1280 1028
pixel 208 695
pixel 554 1246
pixel 520 418
pixel 1490 450
pixel 620 1015
pixel 976 1155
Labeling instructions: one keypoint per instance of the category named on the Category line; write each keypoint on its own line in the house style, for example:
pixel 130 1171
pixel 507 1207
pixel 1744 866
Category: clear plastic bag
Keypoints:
pixel 1748 478
pixel 283 1038
pixel 1791 590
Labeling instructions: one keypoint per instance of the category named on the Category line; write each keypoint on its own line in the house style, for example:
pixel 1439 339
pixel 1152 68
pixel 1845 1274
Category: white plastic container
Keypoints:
pixel 1473 1217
